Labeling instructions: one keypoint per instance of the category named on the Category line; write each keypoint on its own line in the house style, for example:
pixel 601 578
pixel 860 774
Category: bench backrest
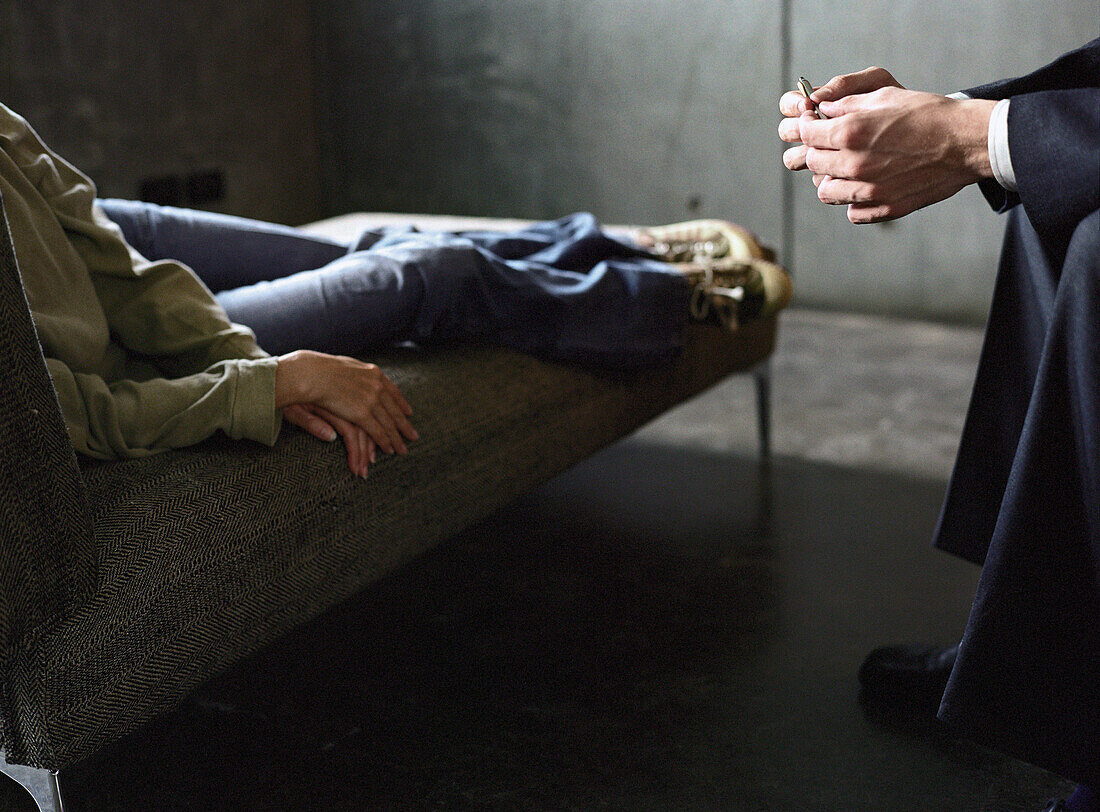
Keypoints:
pixel 47 560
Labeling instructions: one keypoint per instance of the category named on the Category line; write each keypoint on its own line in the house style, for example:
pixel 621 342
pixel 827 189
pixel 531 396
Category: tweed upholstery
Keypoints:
pixel 206 554
pixel 47 561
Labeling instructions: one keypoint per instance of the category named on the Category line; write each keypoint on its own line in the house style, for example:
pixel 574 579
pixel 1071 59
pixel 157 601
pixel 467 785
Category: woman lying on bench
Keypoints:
pixel 151 319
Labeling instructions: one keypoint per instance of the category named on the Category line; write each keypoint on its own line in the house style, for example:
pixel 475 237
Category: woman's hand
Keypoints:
pixel 331 395
pixel 324 425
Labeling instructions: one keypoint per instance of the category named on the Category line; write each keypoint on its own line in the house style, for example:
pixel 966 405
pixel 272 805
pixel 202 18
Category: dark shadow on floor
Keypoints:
pixel 634 635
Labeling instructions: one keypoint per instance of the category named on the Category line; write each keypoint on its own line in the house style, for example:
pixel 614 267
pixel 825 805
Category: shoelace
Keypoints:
pixel 703 299
pixel 687 251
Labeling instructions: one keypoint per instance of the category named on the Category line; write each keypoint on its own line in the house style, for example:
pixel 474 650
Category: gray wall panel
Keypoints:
pixel 134 89
pixel 639 111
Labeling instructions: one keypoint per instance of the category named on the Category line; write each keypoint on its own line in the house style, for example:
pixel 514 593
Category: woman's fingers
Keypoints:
pixel 385 436
pixel 361 444
pixel 349 432
pixel 324 425
pixel 300 415
pixel 354 391
pixel 355 441
pixel 388 409
pixel 385 413
pixel 397 396
pixel 354 446
pixel 381 427
pixel 394 408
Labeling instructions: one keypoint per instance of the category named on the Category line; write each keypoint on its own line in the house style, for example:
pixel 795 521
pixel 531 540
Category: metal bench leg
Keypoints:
pixel 763 377
pixel 41 785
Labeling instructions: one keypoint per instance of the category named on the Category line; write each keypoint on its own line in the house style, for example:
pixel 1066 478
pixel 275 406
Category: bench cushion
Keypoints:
pixel 206 554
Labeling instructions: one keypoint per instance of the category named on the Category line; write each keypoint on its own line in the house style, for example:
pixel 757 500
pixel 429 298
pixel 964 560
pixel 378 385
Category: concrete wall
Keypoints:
pixel 132 89
pixel 637 110
pixel 661 110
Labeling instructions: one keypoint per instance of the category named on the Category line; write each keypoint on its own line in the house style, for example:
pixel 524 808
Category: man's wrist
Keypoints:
pixel 1000 159
pixel 972 130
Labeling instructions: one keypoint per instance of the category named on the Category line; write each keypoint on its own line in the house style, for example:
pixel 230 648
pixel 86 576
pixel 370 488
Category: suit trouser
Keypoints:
pixel 1024 501
pixel 562 290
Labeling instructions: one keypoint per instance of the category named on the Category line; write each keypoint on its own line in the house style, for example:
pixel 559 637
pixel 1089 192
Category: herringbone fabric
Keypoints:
pixel 208 553
pixel 47 562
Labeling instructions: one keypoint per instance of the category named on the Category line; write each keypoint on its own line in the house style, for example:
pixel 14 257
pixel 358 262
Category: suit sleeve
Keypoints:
pixel 1052 132
pixel 1079 68
pixel 1054 138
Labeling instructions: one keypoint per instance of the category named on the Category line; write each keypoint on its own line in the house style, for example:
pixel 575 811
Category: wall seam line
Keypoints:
pixel 787 204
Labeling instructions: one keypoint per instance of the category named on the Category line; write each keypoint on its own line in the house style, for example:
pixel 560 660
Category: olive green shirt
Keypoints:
pixel 141 355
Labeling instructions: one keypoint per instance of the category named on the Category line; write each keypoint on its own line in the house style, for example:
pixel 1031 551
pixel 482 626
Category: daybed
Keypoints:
pixel 124 585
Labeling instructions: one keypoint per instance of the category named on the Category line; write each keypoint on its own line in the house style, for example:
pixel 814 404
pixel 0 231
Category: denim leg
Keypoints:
pixel 575 242
pixel 294 290
pixel 355 303
pixel 226 252
pixel 563 290
pixel 610 307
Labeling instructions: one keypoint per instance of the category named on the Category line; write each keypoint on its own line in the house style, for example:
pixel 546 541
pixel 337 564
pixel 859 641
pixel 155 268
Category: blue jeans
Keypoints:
pixel 563 290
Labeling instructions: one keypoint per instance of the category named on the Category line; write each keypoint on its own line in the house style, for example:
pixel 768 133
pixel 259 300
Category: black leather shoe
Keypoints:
pixel 908 678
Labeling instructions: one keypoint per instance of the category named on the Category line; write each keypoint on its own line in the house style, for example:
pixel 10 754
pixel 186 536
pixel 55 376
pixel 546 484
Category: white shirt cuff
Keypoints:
pixel 999 157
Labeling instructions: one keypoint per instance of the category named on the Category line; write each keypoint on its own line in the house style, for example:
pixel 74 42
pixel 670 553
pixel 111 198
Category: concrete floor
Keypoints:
pixel 662 628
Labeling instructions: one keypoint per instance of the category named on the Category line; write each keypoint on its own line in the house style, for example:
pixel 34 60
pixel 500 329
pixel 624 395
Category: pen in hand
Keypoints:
pixel 805 88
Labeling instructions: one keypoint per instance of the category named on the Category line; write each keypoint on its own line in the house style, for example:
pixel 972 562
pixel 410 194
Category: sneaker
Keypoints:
pixel 698 240
pixel 730 292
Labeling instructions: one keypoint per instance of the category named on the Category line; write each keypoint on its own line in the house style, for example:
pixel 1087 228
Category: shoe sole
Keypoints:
pixel 778 288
